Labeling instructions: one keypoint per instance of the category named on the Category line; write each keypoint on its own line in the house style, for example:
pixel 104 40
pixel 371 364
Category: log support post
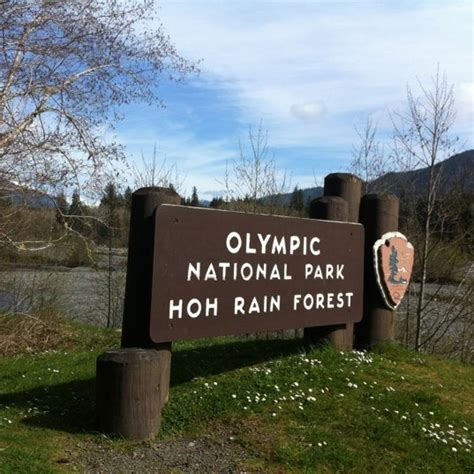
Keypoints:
pixel 348 187
pixel 334 209
pixel 378 214
pixel 119 371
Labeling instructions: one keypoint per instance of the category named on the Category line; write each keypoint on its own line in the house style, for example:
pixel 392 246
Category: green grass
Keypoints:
pixel 293 410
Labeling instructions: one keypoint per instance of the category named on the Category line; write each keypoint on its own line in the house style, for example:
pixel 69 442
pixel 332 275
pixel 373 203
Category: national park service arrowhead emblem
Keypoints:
pixel 393 260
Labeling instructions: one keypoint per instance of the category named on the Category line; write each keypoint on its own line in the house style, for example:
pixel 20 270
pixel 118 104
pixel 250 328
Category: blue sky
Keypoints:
pixel 309 71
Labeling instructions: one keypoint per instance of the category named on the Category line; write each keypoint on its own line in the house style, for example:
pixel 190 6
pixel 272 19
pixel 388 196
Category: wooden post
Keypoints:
pixel 128 393
pixel 136 315
pixel 378 214
pixel 348 187
pixel 334 209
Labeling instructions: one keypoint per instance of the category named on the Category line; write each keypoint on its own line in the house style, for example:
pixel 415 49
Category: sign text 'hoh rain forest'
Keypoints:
pixel 221 273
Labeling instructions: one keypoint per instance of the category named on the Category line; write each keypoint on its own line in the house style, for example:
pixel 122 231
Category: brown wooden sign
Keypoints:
pixel 220 273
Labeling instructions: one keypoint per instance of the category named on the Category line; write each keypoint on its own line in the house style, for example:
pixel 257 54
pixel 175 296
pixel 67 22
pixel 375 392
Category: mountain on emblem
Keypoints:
pixel 393 261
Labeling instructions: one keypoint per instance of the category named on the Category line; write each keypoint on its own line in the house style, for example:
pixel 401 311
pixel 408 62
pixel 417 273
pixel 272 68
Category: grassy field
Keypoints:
pixel 279 406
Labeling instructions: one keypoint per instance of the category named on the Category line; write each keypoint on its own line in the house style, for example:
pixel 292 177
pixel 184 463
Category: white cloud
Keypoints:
pixel 273 58
pixel 310 71
pixel 308 112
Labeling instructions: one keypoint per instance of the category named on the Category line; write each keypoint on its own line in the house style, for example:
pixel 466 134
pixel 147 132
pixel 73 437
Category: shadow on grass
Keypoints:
pixel 206 360
pixel 69 406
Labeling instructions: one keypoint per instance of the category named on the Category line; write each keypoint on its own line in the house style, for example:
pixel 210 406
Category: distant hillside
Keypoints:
pixel 308 194
pixel 457 172
pixel 18 195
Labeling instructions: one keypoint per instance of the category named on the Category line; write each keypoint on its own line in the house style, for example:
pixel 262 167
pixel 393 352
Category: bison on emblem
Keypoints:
pixel 393 260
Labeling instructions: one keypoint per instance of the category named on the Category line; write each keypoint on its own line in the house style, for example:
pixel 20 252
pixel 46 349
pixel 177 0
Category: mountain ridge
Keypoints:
pixel 457 171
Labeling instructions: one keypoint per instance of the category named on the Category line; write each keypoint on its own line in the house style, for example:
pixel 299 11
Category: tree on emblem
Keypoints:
pixel 393 263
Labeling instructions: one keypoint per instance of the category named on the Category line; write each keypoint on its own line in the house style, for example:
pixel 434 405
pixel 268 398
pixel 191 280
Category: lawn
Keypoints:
pixel 279 406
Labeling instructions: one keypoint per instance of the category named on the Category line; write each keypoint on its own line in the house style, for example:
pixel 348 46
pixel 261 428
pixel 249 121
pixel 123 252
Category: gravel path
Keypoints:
pixel 219 454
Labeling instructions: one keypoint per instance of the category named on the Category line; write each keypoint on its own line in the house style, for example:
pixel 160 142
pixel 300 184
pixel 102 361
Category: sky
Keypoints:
pixel 308 71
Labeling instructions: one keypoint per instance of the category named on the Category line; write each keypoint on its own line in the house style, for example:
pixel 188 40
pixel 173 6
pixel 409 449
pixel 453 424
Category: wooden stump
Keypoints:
pixel 128 395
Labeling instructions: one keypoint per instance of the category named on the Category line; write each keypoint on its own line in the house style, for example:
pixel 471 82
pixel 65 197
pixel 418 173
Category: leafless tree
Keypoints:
pixel 422 137
pixel 438 315
pixel 66 67
pixel 369 159
pixel 156 172
pixel 253 179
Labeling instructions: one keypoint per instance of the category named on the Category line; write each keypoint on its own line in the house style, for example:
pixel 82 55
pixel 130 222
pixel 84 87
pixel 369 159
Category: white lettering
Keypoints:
pixel 279 246
pixel 318 273
pixel 308 301
pixel 319 301
pixel 239 305
pixel 261 271
pixel 224 266
pixel 235 248
pixel 275 273
pixel 248 249
pixel 263 242
pixel 349 296
pixel 312 249
pixel 294 244
pixel 339 274
pixel 194 269
pixel 210 273
pixel 194 313
pixel 329 271
pixel 329 301
pixel 296 301
pixel 175 307
pixel 254 307
pixel 246 271
pixel 211 306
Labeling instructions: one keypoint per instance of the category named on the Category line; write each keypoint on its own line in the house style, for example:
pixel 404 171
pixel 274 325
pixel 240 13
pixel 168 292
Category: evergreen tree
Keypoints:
pixel 76 210
pixel 393 263
pixel 110 199
pixel 194 198
pixel 216 202
pixel 297 200
pixel 110 203
pixel 61 207
pixel 127 198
